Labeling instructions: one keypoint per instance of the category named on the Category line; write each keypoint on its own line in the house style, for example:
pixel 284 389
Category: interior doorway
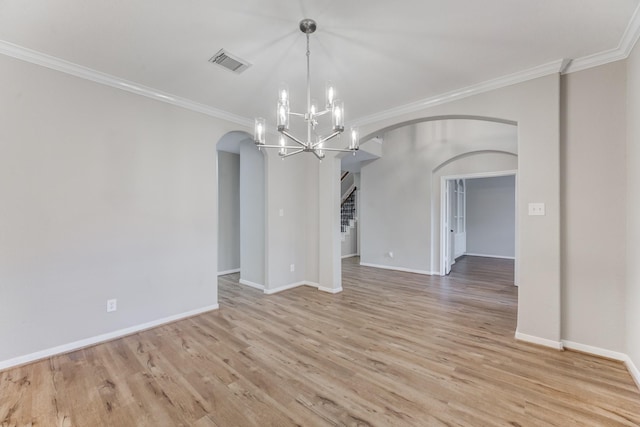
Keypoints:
pixel 241 209
pixel 478 217
pixel 455 222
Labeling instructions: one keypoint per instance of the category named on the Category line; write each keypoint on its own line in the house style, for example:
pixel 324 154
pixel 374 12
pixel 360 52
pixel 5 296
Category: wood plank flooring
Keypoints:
pixel 393 349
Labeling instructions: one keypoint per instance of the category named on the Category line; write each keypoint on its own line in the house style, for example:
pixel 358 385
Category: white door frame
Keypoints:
pixel 444 200
pixel 446 225
pixel 460 203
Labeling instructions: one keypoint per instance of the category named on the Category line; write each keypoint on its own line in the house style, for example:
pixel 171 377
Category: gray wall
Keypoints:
pixel 106 194
pixel 346 183
pixel 473 163
pixel 252 214
pixel 293 187
pixel 593 188
pixel 228 211
pixel 117 198
pixel 350 243
pixel 400 199
pixel 591 277
pixel 632 294
pixel 535 106
pixel 491 216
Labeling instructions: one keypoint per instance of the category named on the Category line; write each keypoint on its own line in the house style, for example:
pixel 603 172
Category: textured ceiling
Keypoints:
pixel 380 54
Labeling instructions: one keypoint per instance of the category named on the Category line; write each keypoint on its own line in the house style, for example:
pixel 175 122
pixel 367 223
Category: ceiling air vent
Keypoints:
pixel 229 61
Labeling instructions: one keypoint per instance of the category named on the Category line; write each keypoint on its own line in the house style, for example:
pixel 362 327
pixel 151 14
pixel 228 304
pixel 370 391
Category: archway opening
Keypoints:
pixel 241 209
pixel 401 198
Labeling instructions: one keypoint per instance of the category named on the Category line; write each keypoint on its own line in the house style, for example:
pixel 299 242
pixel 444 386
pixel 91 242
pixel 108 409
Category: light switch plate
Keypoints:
pixel 536 209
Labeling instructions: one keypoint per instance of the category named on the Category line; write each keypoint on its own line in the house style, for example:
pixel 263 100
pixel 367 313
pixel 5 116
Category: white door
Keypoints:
pixel 459 222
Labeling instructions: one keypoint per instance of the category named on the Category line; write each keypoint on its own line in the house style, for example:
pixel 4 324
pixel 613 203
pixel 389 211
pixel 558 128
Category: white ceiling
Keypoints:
pixel 380 54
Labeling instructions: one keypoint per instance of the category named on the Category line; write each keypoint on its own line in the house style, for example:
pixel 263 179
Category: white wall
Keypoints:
pixel 491 216
pixel 400 200
pixel 228 211
pixel 593 183
pixel 632 294
pixel 105 194
pixel 252 214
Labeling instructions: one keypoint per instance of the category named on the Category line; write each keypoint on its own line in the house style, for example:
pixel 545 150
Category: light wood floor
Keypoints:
pixel 393 349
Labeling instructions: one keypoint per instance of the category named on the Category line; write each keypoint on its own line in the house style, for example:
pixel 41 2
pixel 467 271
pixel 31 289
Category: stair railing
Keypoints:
pixel 348 210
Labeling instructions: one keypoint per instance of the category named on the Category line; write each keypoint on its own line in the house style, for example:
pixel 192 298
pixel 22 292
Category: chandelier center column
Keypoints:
pixel 309 119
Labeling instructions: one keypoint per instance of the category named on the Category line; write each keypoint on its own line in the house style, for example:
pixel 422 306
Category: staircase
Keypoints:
pixel 348 213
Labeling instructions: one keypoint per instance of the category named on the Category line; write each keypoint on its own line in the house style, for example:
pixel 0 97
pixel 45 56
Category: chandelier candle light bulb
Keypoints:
pixel 354 139
pixel 259 132
pixel 283 91
pixel 331 94
pixel 338 115
pixel 313 143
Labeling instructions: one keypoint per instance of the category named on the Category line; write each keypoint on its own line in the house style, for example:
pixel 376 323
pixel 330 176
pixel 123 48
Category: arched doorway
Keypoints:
pixel 538 130
pixel 241 209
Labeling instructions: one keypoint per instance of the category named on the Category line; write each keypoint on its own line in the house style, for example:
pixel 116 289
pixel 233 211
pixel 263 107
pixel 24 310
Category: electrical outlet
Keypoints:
pixel 536 209
pixel 293 268
pixel 112 305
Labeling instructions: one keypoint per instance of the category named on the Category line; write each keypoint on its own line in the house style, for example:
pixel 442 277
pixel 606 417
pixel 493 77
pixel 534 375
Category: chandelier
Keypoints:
pixel 313 143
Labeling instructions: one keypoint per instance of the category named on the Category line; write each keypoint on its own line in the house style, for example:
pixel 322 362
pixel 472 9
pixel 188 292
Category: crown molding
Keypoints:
pixel 627 42
pixel 564 66
pixel 48 61
pixel 631 34
pixel 489 85
pixel 594 60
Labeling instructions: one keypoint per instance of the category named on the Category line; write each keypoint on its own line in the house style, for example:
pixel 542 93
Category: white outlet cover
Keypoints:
pixel 293 267
pixel 112 305
pixel 536 209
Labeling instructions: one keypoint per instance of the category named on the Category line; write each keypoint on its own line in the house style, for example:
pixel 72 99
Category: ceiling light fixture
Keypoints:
pixel 314 143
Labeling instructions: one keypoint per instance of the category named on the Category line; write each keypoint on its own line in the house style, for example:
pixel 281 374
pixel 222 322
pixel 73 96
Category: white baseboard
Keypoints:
pixel 633 370
pixel 304 283
pixel 597 351
pixel 87 342
pixel 539 341
pixel 609 354
pixel 406 270
pixel 330 290
pixel 349 256
pixel 223 273
pixel 251 284
pixel 287 287
pixel 489 256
